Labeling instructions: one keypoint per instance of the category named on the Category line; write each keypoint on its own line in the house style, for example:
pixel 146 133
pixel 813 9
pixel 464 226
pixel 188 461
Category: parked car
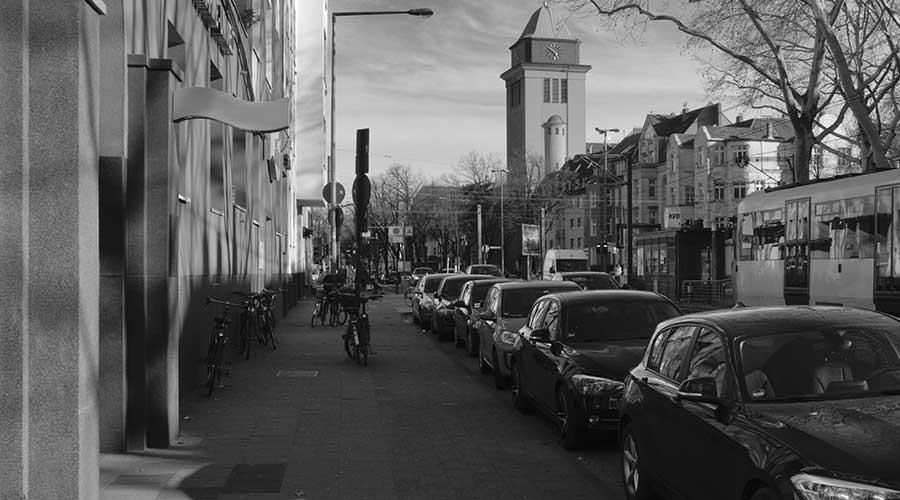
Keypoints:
pixel 769 403
pixel 574 352
pixel 449 270
pixel 418 273
pixel 442 322
pixel 489 269
pixel 506 308
pixel 423 299
pixel 589 280
pixel 467 310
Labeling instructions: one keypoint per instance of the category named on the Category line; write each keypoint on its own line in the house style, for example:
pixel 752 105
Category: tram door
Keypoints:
pixel 796 252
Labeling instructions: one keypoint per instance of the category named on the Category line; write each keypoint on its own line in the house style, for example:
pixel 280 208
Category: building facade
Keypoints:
pixel 124 211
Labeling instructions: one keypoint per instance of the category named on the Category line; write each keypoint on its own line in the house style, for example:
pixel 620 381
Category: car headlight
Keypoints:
pixel 508 337
pixel 587 384
pixel 811 487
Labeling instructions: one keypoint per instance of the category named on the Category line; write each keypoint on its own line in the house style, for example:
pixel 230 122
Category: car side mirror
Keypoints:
pixel 540 335
pixel 487 315
pixel 699 390
pixel 556 348
pixel 460 303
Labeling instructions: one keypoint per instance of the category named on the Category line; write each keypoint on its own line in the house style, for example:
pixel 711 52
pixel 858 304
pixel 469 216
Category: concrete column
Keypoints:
pixel 136 318
pixel 161 342
pixel 113 142
pixel 49 246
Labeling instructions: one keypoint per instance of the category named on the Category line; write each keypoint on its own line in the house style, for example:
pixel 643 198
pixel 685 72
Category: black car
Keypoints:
pixel 445 303
pixel 590 280
pixel 766 403
pixel 467 310
pixel 574 353
pixel 489 269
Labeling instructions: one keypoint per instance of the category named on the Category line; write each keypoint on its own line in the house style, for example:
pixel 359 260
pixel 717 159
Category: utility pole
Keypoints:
pixel 502 232
pixel 543 242
pixel 605 133
pixel 480 252
pixel 628 217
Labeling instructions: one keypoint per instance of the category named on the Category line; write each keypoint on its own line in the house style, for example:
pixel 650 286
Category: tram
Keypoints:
pixel 829 242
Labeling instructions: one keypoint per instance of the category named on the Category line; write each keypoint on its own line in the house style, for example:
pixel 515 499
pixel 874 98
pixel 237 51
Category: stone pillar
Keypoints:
pixel 49 246
pixel 161 341
pixel 136 237
pixel 113 142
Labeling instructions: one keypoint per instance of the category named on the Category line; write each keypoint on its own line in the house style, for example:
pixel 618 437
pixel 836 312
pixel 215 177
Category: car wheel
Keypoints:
pixel 633 477
pixel 764 493
pixel 471 343
pixel 499 380
pixel 571 427
pixel 519 398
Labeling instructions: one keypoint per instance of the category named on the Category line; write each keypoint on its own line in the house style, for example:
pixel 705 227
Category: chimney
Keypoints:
pixel 739 119
pixel 684 108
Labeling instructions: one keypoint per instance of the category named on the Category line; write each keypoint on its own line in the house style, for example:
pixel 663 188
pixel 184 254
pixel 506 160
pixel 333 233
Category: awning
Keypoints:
pixel 254 116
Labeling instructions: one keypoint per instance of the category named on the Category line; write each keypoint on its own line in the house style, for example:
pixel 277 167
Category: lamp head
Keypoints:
pixel 426 13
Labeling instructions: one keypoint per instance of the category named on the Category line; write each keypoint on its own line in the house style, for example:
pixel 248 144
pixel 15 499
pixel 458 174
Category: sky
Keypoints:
pixel 430 90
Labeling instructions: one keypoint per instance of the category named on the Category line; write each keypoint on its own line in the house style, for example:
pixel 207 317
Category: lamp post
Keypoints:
pixel 605 132
pixel 332 180
pixel 502 235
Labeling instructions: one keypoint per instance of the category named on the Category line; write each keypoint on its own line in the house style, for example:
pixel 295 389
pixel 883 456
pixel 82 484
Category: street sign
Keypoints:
pixel 395 234
pixel 485 248
pixel 326 193
pixel 407 231
pixel 531 239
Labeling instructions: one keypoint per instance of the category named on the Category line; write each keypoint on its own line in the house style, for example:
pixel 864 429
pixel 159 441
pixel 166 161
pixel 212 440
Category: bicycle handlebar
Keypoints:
pixel 210 300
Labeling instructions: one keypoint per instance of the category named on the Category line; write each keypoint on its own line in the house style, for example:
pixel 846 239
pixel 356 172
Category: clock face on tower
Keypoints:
pixel 553 51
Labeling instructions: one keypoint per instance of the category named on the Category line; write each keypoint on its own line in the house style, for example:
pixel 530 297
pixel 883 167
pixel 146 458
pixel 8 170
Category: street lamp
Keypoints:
pixel 502 238
pixel 605 133
pixel 426 13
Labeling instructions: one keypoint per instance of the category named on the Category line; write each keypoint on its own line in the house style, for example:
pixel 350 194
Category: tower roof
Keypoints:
pixel 547 23
pixel 554 120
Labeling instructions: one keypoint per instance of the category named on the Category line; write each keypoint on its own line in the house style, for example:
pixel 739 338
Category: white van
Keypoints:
pixel 557 260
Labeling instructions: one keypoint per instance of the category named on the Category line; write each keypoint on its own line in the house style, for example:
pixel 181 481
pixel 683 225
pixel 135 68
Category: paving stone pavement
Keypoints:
pixel 303 422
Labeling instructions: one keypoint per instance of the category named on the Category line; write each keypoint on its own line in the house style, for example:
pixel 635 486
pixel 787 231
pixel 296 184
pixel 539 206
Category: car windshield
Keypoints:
pixel 432 283
pixel 564 265
pixel 422 270
pixel 615 319
pixel 828 363
pixel 479 292
pixel 452 288
pixel 492 270
pixel 517 302
pixel 597 282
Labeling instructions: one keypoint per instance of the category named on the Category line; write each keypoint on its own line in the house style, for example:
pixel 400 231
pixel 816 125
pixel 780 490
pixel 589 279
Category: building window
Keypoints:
pixel 571 242
pixel 721 222
pixel 689 195
pixel 556 130
pixel 719 154
pixel 546 90
pixel 653 214
pixel 565 91
pixel 593 227
pixel 579 243
pixel 718 192
pixel 651 189
pixel 571 223
pixel 740 190
pixel 555 89
pixel 740 154
pixel 579 222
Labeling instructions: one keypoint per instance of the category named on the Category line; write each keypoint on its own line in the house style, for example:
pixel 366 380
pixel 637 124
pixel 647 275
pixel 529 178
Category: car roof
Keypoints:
pixel 594 296
pixel 437 276
pixel 494 266
pixel 759 321
pixel 529 285
pixel 493 280
pixel 465 277
pixel 584 274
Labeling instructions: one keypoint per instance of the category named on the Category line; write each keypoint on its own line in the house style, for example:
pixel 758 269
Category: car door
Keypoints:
pixel 461 314
pixel 486 327
pixel 526 356
pixel 545 365
pixel 703 440
pixel 656 431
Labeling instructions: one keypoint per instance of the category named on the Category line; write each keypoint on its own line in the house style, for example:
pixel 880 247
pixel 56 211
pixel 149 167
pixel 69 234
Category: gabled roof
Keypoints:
pixel 754 129
pixel 547 23
pixel 666 125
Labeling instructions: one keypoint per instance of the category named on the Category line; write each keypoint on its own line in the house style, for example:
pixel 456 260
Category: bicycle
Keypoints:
pixel 215 353
pixel 358 337
pixel 268 304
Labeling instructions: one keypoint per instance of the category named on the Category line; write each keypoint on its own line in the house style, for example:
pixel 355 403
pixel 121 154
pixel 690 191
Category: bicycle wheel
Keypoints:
pixel 348 346
pixel 342 316
pixel 214 363
pixel 270 333
pixel 312 321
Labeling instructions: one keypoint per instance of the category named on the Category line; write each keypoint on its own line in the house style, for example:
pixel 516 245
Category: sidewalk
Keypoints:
pixel 303 422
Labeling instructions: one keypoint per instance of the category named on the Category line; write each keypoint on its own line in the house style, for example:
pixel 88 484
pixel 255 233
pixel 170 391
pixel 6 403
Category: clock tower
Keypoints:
pixel 545 80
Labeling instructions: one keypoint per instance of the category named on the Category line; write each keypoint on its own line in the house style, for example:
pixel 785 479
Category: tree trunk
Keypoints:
pixel 804 139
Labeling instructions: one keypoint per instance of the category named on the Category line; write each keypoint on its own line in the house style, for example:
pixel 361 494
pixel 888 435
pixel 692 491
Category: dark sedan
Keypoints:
pixel 590 280
pixel 445 303
pixel 575 351
pixel 488 269
pixel 468 310
pixel 766 403
pixel 423 299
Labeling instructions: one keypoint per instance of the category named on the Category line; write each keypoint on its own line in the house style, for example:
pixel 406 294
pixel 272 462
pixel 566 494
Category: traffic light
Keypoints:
pixel 362 151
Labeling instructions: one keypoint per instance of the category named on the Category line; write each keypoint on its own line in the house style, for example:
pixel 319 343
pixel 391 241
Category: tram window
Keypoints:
pixel 768 235
pixel 884 224
pixel 844 229
pixel 747 236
